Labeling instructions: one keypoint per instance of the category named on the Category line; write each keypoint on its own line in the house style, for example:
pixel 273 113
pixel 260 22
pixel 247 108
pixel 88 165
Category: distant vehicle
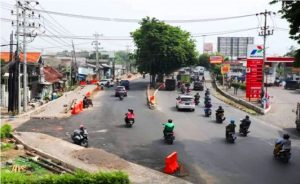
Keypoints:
pixel 125 83
pixel 104 82
pixel 185 78
pixel 198 86
pixel 185 102
pixel 119 90
pixel 200 69
pixel 291 84
pixel 170 84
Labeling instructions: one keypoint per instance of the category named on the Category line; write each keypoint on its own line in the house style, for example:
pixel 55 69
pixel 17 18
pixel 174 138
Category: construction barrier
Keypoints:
pixel 76 109
pixel 171 163
pixel 81 105
pixel 152 100
pixel 82 83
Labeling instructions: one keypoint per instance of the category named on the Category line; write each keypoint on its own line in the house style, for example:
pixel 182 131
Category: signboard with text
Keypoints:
pixel 216 59
pixel 254 78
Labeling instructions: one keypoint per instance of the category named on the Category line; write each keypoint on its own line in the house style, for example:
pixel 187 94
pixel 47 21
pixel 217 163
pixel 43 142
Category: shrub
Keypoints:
pixel 6 131
pixel 79 177
pixel 243 86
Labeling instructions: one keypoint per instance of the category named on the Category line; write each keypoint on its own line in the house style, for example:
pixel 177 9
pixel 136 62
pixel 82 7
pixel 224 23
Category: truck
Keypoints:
pixel 185 78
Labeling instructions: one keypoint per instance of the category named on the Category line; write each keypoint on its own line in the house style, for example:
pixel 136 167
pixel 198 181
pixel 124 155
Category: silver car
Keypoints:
pixel 185 102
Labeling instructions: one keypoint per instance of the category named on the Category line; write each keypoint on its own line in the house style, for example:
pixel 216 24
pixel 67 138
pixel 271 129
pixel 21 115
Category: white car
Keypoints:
pixel 104 82
pixel 185 102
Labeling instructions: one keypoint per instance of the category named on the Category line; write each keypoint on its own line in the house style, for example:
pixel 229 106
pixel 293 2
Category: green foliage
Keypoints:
pixel 162 48
pixel 216 69
pixel 204 60
pixel 241 86
pixel 79 177
pixel 121 57
pixel 290 12
pixel 5 131
pixel 6 146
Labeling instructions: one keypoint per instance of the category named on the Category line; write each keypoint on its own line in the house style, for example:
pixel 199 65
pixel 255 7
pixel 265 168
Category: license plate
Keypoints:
pixel 187 104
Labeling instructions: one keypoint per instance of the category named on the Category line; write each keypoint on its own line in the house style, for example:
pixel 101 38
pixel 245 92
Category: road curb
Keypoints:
pixel 137 173
pixel 240 101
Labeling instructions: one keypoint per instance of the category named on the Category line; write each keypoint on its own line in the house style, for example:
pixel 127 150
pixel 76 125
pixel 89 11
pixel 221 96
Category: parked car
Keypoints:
pixel 291 84
pixel 104 82
pixel 198 86
pixel 125 83
pixel 120 89
pixel 185 102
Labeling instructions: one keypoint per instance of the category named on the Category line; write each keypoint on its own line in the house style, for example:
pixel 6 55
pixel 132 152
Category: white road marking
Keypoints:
pixel 102 131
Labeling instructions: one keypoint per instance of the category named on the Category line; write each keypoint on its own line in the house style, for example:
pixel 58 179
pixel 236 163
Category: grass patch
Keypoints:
pixel 78 178
pixel 5 131
pixel 6 146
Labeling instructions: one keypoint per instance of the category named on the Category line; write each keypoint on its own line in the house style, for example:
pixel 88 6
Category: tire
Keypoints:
pixel 85 143
pixel 192 110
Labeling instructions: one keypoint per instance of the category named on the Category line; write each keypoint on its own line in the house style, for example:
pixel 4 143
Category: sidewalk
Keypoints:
pixel 91 159
pixel 53 109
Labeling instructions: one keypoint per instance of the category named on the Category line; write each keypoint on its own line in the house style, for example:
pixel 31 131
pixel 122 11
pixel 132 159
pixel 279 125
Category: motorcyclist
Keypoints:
pixel 208 104
pixel 197 97
pixel 283 144
pixel 169 127
pixel 220 110
pixel 83 131
pixel 207 92
pixel 206 99
pixel 230 128
pixel 245 123
pixel 129 115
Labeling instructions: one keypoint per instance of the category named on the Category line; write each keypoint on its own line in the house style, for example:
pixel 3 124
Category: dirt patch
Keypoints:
pixel 100 158
pixel 11 154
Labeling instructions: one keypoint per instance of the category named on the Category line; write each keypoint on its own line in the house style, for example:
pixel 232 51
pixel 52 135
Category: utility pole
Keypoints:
pixel 128 61
pixel 18 56
pixel 265 31
pixel 73 63
pixel 96 43
pixel 203 43
pixel 29 27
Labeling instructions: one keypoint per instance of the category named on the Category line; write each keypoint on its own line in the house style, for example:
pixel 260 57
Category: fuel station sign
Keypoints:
pixel 254 78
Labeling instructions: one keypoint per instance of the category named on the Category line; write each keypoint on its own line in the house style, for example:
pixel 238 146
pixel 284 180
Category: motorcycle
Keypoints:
pixel 80 139
pixel 220 117
pixel 129 122
pixel 207 112
pixel 121 96
pixel 231 137
pixel 169 137
pixel 283 155
pixel 244 131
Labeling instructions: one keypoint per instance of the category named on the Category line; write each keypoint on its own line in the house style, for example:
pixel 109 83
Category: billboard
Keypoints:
pixel 225 69
pixel 216 59
pixel 208 47
pixel 254 78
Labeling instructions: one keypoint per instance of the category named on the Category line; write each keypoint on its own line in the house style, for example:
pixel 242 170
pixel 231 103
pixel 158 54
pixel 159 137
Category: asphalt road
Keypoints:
pixel 200 142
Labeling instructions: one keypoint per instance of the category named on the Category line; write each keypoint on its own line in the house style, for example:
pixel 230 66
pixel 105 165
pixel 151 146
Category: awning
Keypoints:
pixel 105 65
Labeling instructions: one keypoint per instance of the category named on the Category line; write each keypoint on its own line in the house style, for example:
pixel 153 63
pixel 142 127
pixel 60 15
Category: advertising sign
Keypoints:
pixel 225 69
pixel 215 59
pixel 254 78
pixel 255 52
pixel 208 47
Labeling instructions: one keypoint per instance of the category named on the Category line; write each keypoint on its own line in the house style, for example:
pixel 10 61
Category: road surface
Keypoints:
pixel 200 142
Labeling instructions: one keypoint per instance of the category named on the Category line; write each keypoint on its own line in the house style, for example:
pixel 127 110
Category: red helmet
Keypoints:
pixel 81 126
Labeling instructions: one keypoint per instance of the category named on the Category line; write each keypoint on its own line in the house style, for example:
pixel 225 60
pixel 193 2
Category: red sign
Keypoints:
pixel 254 78
pixel 215 59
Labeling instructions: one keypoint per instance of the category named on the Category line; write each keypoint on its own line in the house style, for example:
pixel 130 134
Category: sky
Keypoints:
pixel 277 44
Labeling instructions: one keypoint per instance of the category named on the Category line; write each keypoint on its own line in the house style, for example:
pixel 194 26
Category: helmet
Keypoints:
pixel 286 136
pixel 220 107
pixel 170 121
pixel 247 117
pixel 232 121
pixel 81 126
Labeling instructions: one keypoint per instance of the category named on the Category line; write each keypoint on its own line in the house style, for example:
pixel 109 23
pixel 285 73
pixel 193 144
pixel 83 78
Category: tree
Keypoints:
pixel 294 53
pixel 204 60
pixel 121 57
pixel 162 48
pixel 290 12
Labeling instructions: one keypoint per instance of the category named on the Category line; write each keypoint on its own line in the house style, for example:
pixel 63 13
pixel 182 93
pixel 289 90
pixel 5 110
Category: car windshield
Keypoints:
pixel 186 99
pixel 120 88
